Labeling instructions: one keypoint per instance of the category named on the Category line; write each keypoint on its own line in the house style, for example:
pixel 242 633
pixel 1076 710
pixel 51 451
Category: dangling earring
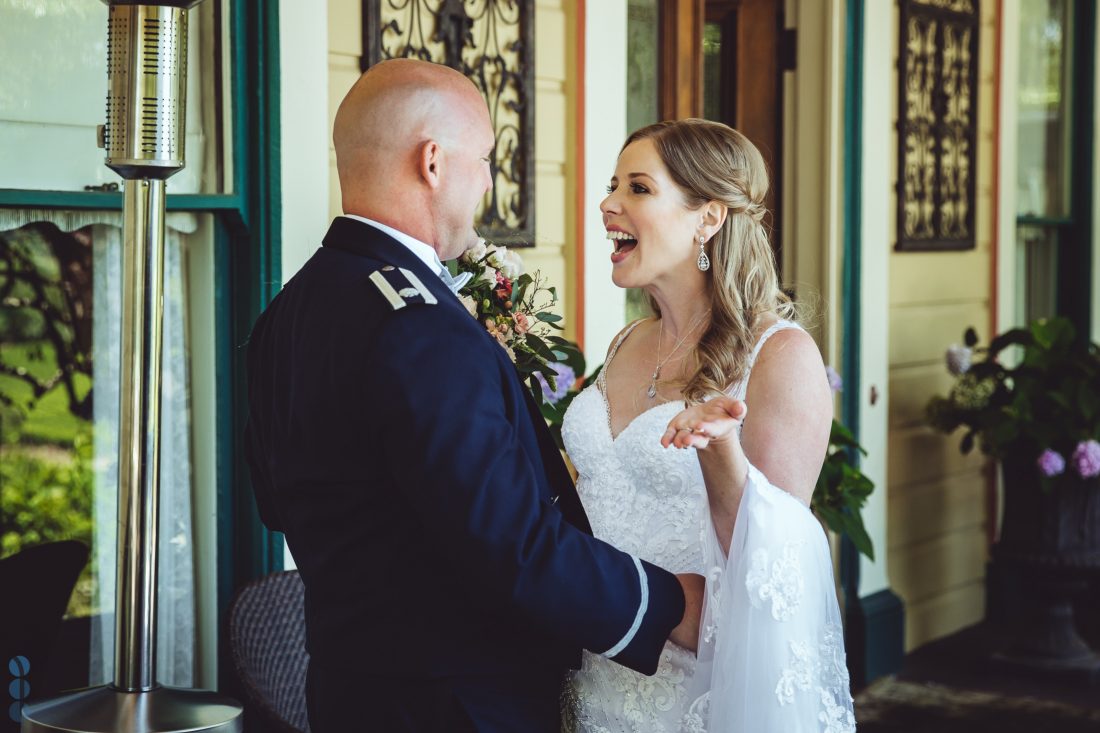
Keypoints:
pixel 703 263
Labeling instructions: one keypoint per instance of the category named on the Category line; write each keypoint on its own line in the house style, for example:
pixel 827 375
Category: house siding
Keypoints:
pixel 553 128
pixel 938 507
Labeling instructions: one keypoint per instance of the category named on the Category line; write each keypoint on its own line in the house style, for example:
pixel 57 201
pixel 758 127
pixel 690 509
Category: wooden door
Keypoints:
pixel 724 60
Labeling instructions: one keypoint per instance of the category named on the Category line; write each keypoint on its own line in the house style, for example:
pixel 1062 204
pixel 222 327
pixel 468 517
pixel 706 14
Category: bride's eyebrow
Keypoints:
pixel 639 175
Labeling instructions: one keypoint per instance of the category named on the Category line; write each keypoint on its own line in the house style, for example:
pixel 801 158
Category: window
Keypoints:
pixel 53 98
pixel 1045 224
pixel 58 354
pixel 60 275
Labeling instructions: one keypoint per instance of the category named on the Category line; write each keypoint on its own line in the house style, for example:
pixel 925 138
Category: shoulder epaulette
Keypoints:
pixel 400 287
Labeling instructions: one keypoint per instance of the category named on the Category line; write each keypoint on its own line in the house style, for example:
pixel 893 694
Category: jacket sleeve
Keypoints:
pixel 254 452
pixel 436 405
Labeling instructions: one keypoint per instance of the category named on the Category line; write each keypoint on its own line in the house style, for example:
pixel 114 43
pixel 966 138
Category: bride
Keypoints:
pixel 675 467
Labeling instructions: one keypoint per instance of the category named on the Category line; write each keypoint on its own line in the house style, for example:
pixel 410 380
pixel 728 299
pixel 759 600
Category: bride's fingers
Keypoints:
pixel 711 420
pixel 738 410
pixel 678 436
pixel 694 440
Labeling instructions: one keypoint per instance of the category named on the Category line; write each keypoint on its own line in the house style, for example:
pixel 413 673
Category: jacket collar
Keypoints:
pixel 359 238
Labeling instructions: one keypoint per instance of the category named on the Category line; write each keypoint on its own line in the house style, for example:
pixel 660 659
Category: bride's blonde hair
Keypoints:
pixel 712 162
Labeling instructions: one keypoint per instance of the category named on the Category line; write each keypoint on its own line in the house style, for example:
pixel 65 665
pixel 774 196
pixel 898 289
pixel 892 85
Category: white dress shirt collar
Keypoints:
pixel 418 248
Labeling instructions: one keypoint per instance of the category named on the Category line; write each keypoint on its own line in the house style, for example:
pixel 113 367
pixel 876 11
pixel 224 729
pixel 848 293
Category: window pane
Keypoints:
pixel 1037 265
pixel 60 315
pixel 46 476
pixel 642 52
pixel 54 95
pixel 642 83
pixel 712 71
pixel 1043 153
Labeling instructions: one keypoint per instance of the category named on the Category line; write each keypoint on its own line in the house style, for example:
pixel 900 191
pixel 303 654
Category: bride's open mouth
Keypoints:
pixel 624 243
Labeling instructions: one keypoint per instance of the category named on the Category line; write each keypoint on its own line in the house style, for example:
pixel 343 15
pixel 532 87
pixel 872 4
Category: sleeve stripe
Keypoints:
pixel 625 641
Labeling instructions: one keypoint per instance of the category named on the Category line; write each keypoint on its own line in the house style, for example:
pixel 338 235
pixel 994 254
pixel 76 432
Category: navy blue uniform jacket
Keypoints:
pixel 435 526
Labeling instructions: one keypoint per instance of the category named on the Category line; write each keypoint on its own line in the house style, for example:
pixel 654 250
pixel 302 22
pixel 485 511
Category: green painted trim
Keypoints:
pixel 12 198
pixel 1075 267
pixel 850 275
pixel 15 198
pixel 247 549
pixel 1043 221
pixel 874 637
pixel 203 202
pixel 874 625
pixel 223 369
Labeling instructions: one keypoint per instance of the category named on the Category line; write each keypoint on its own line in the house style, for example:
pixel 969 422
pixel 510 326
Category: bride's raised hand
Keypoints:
pixel 712 429
pixel 711 423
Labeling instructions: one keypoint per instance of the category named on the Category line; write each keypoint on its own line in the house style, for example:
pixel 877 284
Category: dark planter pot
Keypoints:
pixel 1054 530
pixel 1051 539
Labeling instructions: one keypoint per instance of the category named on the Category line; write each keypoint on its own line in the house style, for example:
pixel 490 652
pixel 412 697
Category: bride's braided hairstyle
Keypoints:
pixel 712 162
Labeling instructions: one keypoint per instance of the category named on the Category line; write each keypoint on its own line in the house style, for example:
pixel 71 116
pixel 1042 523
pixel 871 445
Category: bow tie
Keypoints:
pixel 454 283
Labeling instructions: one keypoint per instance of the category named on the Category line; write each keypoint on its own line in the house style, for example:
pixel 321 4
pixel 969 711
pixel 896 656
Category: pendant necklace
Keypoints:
pixel 652 391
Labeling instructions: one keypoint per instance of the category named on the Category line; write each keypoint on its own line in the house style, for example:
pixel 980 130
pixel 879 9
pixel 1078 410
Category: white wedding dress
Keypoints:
pixel 771 654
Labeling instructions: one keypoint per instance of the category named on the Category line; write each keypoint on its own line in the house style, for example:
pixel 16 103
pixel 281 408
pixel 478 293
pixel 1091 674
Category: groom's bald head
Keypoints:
pixel 396 108
pixel 400 102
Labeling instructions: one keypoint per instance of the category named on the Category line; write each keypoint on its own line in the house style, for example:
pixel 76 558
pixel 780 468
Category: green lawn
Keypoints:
pixel 46 480
pixel 49 420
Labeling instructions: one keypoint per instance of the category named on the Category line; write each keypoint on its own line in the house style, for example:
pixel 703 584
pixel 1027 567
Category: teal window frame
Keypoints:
pixel 248 266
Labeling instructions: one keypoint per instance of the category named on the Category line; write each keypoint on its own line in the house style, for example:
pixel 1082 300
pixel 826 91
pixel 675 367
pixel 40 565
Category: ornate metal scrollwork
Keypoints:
pixel 937 124
pixel 490 41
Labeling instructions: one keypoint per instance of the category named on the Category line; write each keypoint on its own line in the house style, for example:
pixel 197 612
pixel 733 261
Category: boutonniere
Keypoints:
pixel 517 309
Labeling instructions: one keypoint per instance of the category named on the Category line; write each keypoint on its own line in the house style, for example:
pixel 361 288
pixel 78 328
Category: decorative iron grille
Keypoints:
pixel 937 124
pixel 489 41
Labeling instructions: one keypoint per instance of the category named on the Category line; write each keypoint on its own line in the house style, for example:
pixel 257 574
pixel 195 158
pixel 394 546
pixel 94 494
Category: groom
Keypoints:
pixel 450 572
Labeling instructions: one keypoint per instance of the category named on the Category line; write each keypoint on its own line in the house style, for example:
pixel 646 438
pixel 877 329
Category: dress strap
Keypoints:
pixel 601 380
pixel 738 389
pixel 780 325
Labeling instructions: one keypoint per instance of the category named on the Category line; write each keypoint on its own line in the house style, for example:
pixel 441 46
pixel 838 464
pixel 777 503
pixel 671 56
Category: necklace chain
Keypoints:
pixel 652 391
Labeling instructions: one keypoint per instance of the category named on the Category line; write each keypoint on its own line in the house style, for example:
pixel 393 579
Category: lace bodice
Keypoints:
pixel 651 502
pixel 640 497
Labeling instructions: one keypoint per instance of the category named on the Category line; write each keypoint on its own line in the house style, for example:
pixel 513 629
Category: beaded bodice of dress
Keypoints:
pixel 648 501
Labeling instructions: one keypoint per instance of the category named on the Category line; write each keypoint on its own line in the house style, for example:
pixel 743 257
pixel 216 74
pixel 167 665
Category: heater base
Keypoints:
pixel 161 710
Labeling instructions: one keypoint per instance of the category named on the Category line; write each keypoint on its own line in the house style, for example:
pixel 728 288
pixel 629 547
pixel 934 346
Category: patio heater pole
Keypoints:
pixel 147 75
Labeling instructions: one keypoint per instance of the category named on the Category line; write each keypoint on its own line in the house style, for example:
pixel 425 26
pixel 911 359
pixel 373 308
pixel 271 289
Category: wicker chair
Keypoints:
pixel 267 632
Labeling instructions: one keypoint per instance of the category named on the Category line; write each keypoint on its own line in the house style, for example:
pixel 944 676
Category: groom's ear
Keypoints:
pixel 429 162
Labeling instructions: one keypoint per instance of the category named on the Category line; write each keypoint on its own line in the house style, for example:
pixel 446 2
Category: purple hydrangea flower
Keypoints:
pixel 1051 463
pixel 564 377
pixel 1086 459
pixel 958 359
pixel 835 382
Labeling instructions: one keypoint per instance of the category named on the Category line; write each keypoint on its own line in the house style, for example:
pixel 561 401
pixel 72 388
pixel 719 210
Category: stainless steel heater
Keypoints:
pixel 147 75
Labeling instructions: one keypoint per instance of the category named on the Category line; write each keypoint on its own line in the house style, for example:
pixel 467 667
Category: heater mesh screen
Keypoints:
pixel 146 69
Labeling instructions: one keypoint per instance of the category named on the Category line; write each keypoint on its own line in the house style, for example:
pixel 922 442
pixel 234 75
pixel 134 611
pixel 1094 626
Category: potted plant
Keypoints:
pixel 1039 417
